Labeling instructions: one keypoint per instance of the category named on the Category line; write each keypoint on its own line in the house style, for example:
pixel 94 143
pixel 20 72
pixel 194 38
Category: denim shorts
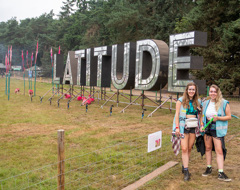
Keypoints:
pixel 190 130
pixel 211 133
pixel 211 130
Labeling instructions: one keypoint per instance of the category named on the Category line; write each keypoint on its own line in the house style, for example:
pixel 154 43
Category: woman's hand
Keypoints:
pixel 215 118
pixel 201 129
pixel 177 132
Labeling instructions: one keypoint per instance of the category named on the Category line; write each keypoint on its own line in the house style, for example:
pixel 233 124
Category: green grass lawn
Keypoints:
pixel 101 151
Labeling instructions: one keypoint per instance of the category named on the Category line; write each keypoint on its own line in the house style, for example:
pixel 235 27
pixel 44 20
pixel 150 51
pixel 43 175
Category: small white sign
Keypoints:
pixel 154 141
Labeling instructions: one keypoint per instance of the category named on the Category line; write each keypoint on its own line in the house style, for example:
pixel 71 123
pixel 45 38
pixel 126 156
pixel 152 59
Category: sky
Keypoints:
pixel 23 9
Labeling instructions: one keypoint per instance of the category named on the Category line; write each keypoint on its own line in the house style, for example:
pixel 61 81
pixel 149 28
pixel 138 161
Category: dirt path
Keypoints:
pixel 234 105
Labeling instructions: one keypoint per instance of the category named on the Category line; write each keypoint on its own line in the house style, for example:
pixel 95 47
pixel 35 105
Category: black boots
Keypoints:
pixel 186 175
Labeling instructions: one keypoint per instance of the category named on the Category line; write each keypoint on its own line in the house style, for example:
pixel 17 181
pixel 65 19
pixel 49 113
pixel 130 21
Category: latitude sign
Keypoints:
pixel 141 65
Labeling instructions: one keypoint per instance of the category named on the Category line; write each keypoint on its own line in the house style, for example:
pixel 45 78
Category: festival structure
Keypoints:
pixel 147 65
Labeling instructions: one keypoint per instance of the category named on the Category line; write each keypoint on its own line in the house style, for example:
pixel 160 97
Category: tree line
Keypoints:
pixel 89 23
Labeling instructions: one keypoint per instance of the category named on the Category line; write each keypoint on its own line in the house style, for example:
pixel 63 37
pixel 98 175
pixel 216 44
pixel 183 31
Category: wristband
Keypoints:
pixel 177 127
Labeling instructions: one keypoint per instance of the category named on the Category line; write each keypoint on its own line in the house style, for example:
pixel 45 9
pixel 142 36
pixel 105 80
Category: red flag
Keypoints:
pixel 51 52
pixel 37 46
pixel 6 63
pixel 36 54
pixel 8 56
pixel 11 56
pixel 27 59
pixel 8 52
pixel 59 50
pixel 23 61
pixel 51 56
pixel 31 59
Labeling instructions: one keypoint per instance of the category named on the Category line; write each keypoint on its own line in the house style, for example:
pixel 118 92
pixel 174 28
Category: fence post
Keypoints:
pixel 61 168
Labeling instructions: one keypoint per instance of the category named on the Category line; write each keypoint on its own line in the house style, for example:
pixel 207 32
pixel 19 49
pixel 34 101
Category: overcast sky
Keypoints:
pixel 23 9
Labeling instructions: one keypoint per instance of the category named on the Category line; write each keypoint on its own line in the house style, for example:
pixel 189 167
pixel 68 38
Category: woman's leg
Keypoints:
pixel 219 152
pixel 191 141
pixel 184 146
pixel 208 149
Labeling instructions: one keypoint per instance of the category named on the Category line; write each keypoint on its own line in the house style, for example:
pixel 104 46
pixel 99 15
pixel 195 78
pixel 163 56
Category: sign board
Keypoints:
pixel 154 141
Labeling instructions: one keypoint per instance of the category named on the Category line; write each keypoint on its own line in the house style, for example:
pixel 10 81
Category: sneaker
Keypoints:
pixel 207 172
pixel 182 170
pixel 186 175
pixel 222 176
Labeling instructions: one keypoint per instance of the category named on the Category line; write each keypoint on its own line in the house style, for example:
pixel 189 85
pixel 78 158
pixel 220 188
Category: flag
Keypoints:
pixel 27 59
pixel 32 59
pixel 36 54
pixel 6 63
pixel 11 56
pixel 51 56
pixel 59 50
pixel 8 52
pixel 51 52
pixel 37 46
pixel 8 56
pixel 23 61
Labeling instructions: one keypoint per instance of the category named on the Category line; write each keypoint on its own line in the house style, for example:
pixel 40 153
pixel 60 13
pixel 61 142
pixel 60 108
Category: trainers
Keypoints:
pixel 186 175
pixel 222 176
pixel 207 172
pixel 182 170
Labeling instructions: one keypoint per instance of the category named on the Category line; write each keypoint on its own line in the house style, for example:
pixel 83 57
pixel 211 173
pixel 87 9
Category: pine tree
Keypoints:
pixel 67 9
pixel 220 19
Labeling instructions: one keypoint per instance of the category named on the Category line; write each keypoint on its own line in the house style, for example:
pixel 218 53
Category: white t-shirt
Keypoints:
pixel 211 110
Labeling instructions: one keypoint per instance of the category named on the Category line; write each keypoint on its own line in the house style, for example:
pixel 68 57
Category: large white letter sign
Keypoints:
pixel 70 74
pixel 154 54
pixel 81 67
pixel 180 62
pixel 103 66
pixel 88 67
pixel 91 68
pixel 58 69
pixel 123 65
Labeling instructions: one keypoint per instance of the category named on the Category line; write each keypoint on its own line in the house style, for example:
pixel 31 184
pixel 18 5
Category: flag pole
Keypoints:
pixel 35 70
pixel 52 71
pixel 9 85
pixel 31 70
pixel 6 87
pixel 28 70
pixel 35 80
pixel 23 72
pixel 6 65
pixel 9 65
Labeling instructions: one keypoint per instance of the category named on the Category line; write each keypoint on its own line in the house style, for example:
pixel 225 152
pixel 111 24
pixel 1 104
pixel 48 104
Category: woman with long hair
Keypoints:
pixel 218 109
pixel 186 123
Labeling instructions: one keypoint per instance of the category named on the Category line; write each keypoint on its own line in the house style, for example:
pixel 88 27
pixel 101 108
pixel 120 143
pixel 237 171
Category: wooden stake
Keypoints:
pixel 61 157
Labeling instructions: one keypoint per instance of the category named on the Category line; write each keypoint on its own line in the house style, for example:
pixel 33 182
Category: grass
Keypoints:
pixel 28 136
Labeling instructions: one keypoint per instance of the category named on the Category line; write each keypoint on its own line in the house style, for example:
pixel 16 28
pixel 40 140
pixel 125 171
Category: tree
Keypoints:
pixel 220 19
pixel 67 9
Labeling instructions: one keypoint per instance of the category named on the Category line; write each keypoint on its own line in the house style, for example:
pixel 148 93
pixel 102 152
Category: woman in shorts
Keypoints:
pixel 218 109
pixel 186 122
